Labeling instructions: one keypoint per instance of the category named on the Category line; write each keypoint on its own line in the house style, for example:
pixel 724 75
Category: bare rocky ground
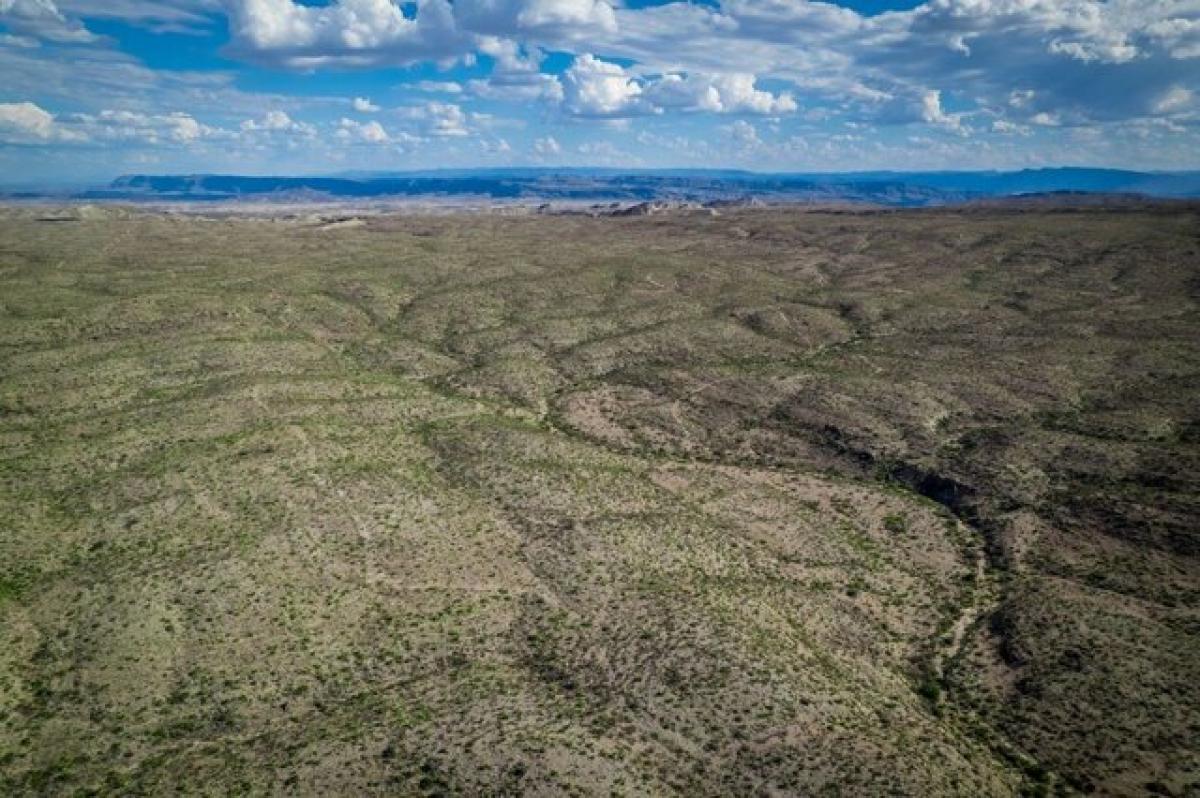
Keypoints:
pixel 765 503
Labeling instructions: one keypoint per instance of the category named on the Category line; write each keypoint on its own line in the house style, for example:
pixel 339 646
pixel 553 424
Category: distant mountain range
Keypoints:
pixel 625 185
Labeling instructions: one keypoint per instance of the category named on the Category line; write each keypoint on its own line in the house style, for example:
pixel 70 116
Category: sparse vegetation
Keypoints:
pixel 771 502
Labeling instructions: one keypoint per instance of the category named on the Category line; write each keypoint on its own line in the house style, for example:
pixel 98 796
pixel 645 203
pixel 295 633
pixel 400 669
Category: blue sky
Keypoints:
pixel 90 89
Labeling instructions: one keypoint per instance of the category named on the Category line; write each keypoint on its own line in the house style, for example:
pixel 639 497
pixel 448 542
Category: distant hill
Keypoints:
pixel 587 184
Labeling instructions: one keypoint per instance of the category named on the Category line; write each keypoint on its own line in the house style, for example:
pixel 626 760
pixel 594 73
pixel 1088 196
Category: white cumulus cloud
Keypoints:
pixel 592 87
pixel 177 126
pixel 547 146
pixel 366 132
pixel 932 112
pixel 276 121
pixel 728 93
pixel 347 33
pixel 550 19
pixel 26 119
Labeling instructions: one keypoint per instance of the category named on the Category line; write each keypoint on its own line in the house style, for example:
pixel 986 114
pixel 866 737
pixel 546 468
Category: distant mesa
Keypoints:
pixel 642 191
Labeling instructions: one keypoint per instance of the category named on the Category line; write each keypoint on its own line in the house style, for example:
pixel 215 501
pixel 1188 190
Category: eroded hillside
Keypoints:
pixel 770 502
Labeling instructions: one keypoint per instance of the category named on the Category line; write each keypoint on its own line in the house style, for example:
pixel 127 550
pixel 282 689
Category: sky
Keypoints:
pixel 91 89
